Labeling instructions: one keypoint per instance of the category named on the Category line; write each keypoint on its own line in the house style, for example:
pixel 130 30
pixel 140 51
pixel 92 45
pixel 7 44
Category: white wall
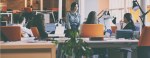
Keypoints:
pixel 91 5
pixel 82 10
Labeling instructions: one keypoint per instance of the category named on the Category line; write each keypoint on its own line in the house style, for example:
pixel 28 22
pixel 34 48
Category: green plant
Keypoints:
pixel 75 47
pixel 55 42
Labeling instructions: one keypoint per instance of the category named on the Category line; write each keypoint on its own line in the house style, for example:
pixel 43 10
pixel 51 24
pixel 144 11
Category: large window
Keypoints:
pixel 119 7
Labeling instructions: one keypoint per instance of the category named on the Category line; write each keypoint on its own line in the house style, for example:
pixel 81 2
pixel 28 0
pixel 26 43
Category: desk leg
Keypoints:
pixel 53 52
pixel 59 53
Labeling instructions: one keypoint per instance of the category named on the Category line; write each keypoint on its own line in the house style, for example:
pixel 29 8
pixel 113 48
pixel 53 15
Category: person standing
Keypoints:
pixel 73 18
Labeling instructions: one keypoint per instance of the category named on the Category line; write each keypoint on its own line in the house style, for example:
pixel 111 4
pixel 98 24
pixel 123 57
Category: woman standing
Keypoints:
pixel 73 17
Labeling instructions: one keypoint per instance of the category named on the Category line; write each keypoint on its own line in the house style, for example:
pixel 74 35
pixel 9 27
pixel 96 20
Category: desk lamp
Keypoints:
pixel 136 6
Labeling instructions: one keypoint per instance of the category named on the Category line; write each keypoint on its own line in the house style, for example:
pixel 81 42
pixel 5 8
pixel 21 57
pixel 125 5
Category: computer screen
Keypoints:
pixel 3 23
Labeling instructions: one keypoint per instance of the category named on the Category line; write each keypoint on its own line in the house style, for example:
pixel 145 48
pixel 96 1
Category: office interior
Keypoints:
pixel 106 39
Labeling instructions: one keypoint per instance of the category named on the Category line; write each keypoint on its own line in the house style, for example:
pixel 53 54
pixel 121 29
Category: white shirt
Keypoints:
pixel 25 31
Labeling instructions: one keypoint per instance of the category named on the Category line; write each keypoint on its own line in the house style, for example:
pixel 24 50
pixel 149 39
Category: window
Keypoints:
pixel 119 7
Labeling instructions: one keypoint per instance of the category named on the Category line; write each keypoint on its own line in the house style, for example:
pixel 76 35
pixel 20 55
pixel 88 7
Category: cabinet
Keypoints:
pixel 27 50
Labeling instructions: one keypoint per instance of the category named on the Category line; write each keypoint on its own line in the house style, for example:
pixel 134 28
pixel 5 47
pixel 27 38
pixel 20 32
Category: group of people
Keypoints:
pixel 27 19
pixel 74 21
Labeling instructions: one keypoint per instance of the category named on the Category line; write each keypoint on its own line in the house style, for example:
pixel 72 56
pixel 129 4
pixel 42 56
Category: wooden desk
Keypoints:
pixel 113 43
pixel 27 50
pixel 107 43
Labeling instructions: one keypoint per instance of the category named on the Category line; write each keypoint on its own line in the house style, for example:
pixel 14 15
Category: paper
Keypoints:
pixel 47 18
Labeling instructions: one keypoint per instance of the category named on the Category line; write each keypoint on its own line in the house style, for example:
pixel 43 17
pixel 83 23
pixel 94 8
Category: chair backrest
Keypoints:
pixel 113 28
pixel 92 30
pixel 12 33
pixel 145 37
pixel 35 32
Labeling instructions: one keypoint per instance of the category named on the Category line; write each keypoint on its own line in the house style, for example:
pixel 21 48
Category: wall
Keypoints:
pixel 91 5
pixel 68 4
pixel 148 15
pixel 18 4
pixel 95 5
pixel 50 3
pixel 103 4
pixel 15 4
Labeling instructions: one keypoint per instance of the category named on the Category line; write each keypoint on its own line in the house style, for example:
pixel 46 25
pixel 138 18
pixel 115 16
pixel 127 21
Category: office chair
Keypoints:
pixel 12 33
pixel 92 30
pixel 143 49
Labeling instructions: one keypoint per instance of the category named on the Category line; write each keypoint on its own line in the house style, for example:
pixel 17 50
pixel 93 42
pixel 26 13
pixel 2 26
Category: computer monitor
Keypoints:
pixel 3 23
pixel 124 33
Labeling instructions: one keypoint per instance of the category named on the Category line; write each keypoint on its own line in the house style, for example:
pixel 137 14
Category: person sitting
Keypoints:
pixel 128 20
pixel 129 25
pixel 20 21
pixel 92 19
pixel 38 21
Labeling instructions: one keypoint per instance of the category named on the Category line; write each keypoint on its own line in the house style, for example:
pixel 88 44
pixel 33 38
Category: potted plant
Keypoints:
pixel 75 47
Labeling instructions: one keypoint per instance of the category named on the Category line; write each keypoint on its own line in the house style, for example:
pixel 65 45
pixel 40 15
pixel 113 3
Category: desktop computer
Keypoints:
pixel 124 33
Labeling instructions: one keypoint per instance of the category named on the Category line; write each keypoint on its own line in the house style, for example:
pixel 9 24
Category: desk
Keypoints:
pixel 113 43
pixel 107 42
pixel 56 35
pixel 27 50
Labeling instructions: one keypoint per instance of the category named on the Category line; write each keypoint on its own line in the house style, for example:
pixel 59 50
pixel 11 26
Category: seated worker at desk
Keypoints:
pixel 92 19
pixel 129 25
pixel 129 22
pixel 38 21
pixel 20 21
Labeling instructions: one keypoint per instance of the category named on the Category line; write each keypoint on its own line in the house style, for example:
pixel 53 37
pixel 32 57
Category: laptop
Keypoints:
pixel 59 32
pixel 124 33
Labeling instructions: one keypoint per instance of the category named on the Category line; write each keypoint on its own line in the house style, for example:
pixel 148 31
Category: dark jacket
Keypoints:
pixel 130 26
pixel 38 22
